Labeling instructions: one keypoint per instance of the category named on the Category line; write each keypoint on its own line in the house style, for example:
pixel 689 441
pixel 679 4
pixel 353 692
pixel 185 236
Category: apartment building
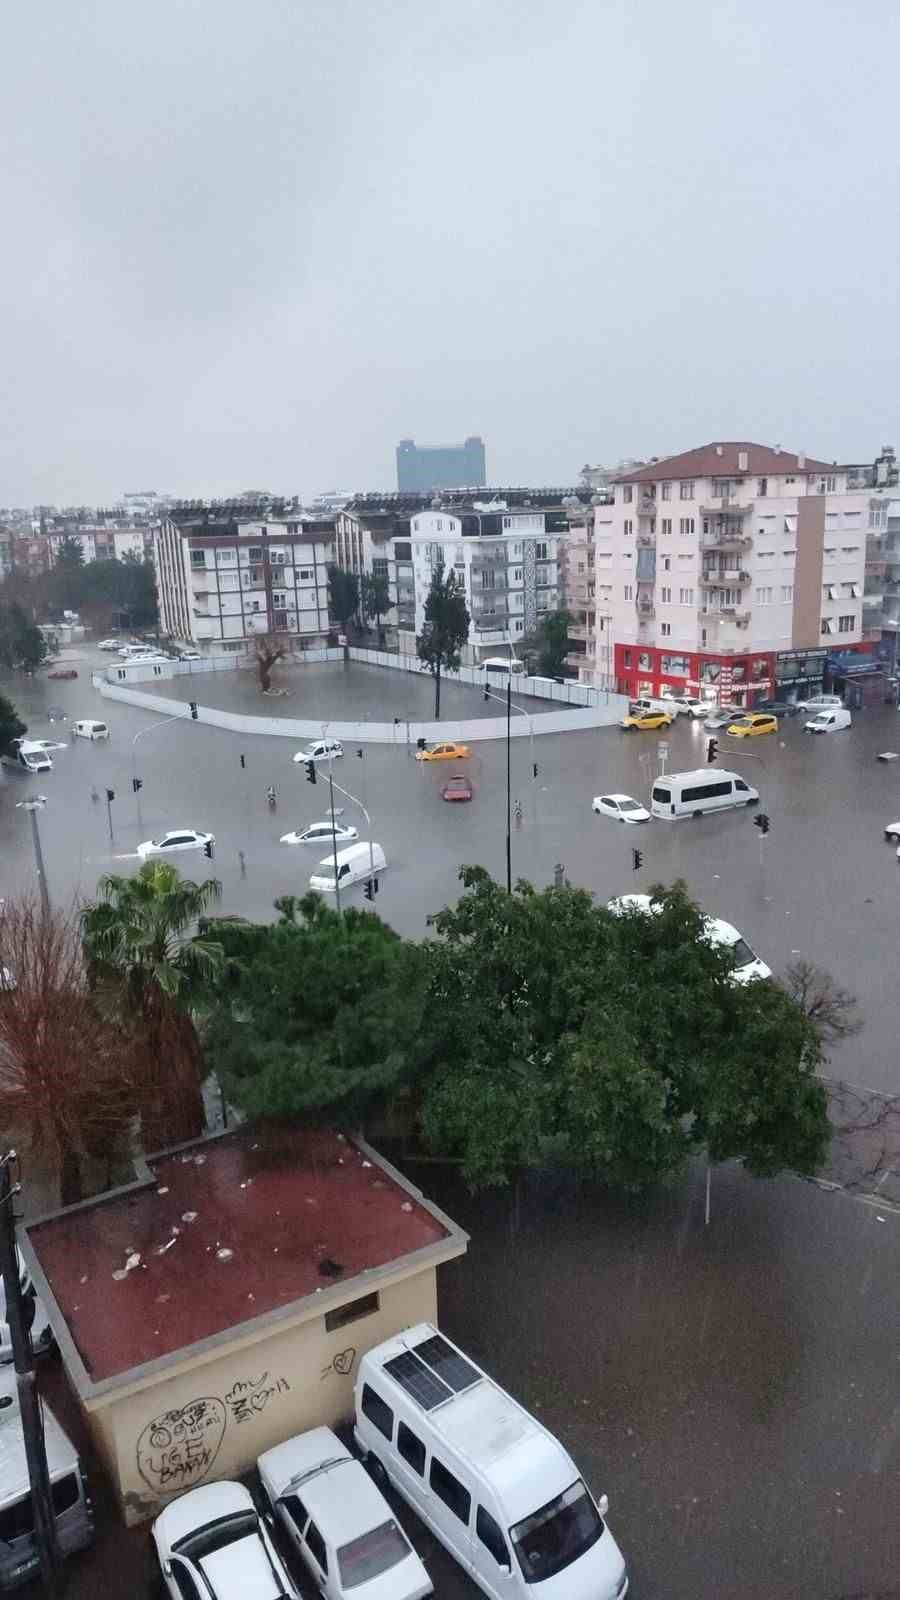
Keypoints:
pixel 421 469
pixel 729 570
pixel 505 559
pixel 224 576
pixel 372 537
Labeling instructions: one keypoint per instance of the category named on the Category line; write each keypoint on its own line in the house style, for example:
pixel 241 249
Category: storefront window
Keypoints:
pixel 710 671
pixel 676 666
pixel 645 664
pixel 760 669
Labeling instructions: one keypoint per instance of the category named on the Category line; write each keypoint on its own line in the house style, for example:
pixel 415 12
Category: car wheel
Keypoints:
pixel 697 815
pixel 376 1471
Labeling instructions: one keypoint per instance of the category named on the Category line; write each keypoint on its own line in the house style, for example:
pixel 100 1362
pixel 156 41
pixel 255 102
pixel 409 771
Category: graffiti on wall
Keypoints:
pixel 342 1364
pixel 249 1396
pixel 177 1449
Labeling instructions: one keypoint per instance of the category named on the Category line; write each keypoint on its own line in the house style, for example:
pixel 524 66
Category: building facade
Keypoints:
pixel 505 560
pixel 372 538
pixel 728 570
pixel 223 579
pixel 423 468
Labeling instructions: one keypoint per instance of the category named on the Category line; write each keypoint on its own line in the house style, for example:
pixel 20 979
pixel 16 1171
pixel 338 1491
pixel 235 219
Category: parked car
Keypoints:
pixel 752 726
pixel 721 717
pixel 212 1542
pixel 778 708
pixel 820 702
pixel 620 807
pixel 339 1522
pixel 892 831
pixel 646 721
pixel 189 655
pixel 45 746
pixel 176 839
pixel 63 672
pixel 108 644
pixel 87 728
pixel 444 751
pixel 457 788
pixel 686 704
pixel 747 963
pixel 321 750
pixel 322 833
pixel 830 721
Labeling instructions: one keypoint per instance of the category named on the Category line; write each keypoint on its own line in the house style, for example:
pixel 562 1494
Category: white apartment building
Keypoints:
pixel 221 580
pixel 505 559
pixel 732 571
pixel 372 537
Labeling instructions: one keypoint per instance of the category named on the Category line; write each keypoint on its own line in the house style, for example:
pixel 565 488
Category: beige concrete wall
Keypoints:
pixel 211 1419
pixel 807 615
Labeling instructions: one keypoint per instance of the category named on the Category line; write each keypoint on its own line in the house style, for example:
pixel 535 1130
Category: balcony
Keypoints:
pixel 645 612
pixel 725 578
pixel 646 506
pixel 726 541
pixel 725 508
pixel 489 556
pixel 647 539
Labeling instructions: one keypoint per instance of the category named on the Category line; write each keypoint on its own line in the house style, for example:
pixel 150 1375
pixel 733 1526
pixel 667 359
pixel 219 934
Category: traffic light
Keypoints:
pixel 761 822
pixel 534 769
pixel 310 771
pixel 243 761
pixel 110 796
pixel 712 749
pixel 137 784
pixel 486 693
pixel 370 888
pixel 209 848
pixel 420 744
pixel 637 860
pixel 195 710
pixel 359 752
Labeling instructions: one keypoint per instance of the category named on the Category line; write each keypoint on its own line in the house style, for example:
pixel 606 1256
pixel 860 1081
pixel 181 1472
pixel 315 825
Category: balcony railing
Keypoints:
pixel 725 578
pixel 725 508
pixel 647 539
pixel 647 507
pixel 726 541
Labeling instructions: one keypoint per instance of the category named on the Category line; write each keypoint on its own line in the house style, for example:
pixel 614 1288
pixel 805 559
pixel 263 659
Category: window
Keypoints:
pixel 827 485
pixel 849 549
pixel 787 591
pixel 706 791
pixel 402 550
pixel 667 491
pixel 852 519
pixel 686 526
pixel 762 487
pixel 377 1411
pixel 686 489
pixel 627 494
pixel 491 1537
pixel 846 624
pixel 764 597
pixel 852 591
pixel 665 595
pixel 826 625
pixel 788 480
pixel 626 658
pixel 449 1489
pixel 184 1582
pixel 353 1311
pixel 628 592
pixel 628 527
pixel 666 526
pixel 411 1449
pixel 686 597
pixel 198 558
pixel 65 1493
pixel 517 574
pixel 675 666
pixel 304 573
pixel 665 629
pixel 316 1546
pixel 667 563
pixel 254 553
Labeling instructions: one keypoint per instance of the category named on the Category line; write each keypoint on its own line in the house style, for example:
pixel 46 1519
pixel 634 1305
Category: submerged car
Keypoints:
pixel 457 788
pixel 445 751
pixel 646 720
pixel 751 727
pixel 747 964
pixel 176 839
pixel 621 807
pixel 322 833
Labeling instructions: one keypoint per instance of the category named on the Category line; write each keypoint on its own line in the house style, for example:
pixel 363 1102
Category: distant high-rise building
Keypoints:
pixel 423 468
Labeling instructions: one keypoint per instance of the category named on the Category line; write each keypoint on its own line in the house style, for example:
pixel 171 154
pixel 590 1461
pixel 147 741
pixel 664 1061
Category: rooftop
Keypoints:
pixel 720 460
pixel 229 1229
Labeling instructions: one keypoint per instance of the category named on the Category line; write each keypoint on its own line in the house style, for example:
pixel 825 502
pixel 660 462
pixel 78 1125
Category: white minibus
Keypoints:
pixel 501 665
pixel 354 865
pixel 488 1479
pixel 692 794
pixel 72 1509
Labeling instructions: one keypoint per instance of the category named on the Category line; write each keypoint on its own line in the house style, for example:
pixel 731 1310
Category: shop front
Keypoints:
pixel 720 679
pixel 799 672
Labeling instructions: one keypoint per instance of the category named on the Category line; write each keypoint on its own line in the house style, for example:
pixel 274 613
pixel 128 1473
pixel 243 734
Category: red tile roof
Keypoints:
pixel 721 461
pixel 230 1229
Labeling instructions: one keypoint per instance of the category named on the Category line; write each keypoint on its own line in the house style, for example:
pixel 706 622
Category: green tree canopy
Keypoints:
pixel 343 594
pixel 11 724
pixel 375 596
pixel 21 643
pixel 617 1045
pixel 548 643
pixel 320 1015
pixel 445 631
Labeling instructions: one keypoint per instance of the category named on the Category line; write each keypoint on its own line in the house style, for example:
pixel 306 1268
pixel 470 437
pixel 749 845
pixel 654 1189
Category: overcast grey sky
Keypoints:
pixel 252 243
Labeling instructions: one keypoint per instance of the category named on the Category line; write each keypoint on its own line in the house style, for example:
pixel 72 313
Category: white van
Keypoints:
pixel 691 794
pixel 34 757
pixel 488 1479
pixel 501 665
pixel 829 721
pixel 71 1504
pixel 651 707
pixel 87 728
pixel 354 865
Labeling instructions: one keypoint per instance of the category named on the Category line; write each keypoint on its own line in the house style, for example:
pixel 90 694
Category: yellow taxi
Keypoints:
pixel 646 719
pixel 443 752
pixel 752 727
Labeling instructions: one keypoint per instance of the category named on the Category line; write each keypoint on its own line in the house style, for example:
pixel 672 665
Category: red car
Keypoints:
pixel 63 672
pixel 457 788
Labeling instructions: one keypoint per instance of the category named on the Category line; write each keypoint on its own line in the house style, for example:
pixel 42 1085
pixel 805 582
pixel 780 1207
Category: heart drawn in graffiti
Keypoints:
pixel 177 1449
pixel 343 1361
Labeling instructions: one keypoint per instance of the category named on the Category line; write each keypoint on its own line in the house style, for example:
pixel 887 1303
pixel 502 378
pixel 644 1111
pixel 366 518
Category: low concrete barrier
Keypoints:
pixel 468 730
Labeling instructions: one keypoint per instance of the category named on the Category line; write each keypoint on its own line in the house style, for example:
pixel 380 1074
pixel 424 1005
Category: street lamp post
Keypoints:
pixel 353 800
pixel 33 806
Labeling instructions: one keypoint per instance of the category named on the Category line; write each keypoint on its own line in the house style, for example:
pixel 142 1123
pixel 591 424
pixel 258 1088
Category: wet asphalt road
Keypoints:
pixel 828 887
pixel 734 1389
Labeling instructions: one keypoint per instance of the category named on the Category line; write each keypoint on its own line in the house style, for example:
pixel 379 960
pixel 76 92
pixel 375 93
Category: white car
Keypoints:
pixel 338 1521
pixel 747 964
pixel 820 702
pixel 108 644
pixel 621 807
pixel 321 750
pixel 687 704
pixel 46 746
pixel 176 839
pixel 322 833
pixel 36 1317
pixel 212 1544
pixel 892 831
pixel 189 655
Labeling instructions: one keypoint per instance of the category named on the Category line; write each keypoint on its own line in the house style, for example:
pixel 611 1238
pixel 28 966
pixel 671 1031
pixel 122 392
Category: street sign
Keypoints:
pixel 662 749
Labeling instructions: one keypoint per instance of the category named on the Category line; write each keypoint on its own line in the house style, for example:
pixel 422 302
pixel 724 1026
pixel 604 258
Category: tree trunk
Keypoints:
pixel 265 675
pixel 437 693
pixel 172 1109
pixel 70 1185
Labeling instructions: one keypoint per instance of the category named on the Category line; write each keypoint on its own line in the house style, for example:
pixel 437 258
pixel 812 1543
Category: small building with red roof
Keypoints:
pixel 222 1303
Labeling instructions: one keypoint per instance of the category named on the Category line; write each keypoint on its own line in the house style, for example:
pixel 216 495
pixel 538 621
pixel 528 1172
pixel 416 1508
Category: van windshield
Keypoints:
pixel 551 1539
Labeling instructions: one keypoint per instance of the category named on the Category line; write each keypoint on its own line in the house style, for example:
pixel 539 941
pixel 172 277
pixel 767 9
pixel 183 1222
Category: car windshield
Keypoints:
pixel 550 1540
pixel 216 1535
pixel 371 1554
pixel 743 955
pixel 629 805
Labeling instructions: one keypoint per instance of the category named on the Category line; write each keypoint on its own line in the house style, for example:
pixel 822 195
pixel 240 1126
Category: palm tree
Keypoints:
pixel 150 974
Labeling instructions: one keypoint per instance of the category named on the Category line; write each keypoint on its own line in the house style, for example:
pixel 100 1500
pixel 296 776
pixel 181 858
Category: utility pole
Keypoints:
pixel 334 848
pixel 508 797
pixel 29 1401
pixel 33 806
